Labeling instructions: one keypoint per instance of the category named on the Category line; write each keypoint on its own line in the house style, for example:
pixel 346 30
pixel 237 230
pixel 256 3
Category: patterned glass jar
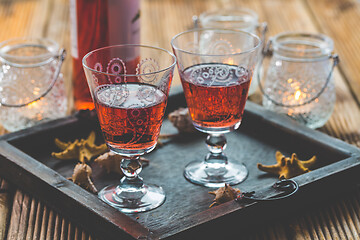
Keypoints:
pixel 299 79
pixel 32 88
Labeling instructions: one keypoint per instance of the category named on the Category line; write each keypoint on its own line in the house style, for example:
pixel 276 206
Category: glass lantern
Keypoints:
pixel 32 89
pixel 299 79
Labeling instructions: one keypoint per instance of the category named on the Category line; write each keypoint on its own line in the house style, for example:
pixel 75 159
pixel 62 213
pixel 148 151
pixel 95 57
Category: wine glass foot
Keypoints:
pixel 215 175
pixel 153 198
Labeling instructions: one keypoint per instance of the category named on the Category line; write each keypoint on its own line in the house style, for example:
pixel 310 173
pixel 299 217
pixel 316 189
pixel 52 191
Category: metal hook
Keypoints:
pixel 263 28
pixel 195 20
pixel 288 187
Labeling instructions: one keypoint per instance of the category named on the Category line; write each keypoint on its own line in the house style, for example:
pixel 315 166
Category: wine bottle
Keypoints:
pixel 96 24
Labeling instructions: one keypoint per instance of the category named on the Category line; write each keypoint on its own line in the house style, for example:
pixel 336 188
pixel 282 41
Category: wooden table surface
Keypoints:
pixel 23 216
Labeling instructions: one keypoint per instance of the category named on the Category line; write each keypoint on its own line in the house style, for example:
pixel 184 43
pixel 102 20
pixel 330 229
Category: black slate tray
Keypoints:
pixel 25 160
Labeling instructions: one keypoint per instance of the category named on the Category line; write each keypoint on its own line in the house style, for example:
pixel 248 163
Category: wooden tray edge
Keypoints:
pixel 51 187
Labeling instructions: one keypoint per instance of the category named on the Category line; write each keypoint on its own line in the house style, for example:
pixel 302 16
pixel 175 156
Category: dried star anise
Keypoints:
pixel 288 167
pixel 83 150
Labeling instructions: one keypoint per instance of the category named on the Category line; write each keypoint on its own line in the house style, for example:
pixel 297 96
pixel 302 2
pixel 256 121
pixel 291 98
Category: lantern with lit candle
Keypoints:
pixel 299 79
pixel 32 89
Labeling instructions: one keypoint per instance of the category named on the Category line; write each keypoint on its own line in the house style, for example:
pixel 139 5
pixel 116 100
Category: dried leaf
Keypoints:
pixel 224 194
pixel 82 177
pixel 111 162
pixel 181 119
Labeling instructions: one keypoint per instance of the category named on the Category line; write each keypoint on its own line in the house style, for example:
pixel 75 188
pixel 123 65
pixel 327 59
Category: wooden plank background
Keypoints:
pixel 23 216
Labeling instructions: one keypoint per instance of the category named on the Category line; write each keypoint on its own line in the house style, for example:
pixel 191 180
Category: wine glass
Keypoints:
pixel 130 85
pixel 216 67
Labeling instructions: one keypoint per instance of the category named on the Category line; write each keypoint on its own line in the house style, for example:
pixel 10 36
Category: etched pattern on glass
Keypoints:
pixel 147 66
pixel 116 66
pixel 217 74
pixel 128 108
pixel 163 85
pixel 145 95
pixel 98 67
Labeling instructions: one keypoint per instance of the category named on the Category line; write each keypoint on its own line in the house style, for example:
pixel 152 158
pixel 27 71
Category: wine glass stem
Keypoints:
pixel 131 185
pixel 216 144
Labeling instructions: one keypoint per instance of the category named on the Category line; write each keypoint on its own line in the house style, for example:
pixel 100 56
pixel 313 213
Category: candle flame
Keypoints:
pixel 35 104
pixel 297 95
pixel 229 62
pixel 32 105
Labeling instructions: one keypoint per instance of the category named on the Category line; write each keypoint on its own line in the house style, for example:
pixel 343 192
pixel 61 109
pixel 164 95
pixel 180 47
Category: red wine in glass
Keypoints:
pixel 216 94
pixel 130 115
pixel 216 68
pixel 129 85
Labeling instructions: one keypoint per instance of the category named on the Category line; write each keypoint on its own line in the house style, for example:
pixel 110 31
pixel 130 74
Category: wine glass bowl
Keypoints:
pixel 216 67
pixel 130 85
